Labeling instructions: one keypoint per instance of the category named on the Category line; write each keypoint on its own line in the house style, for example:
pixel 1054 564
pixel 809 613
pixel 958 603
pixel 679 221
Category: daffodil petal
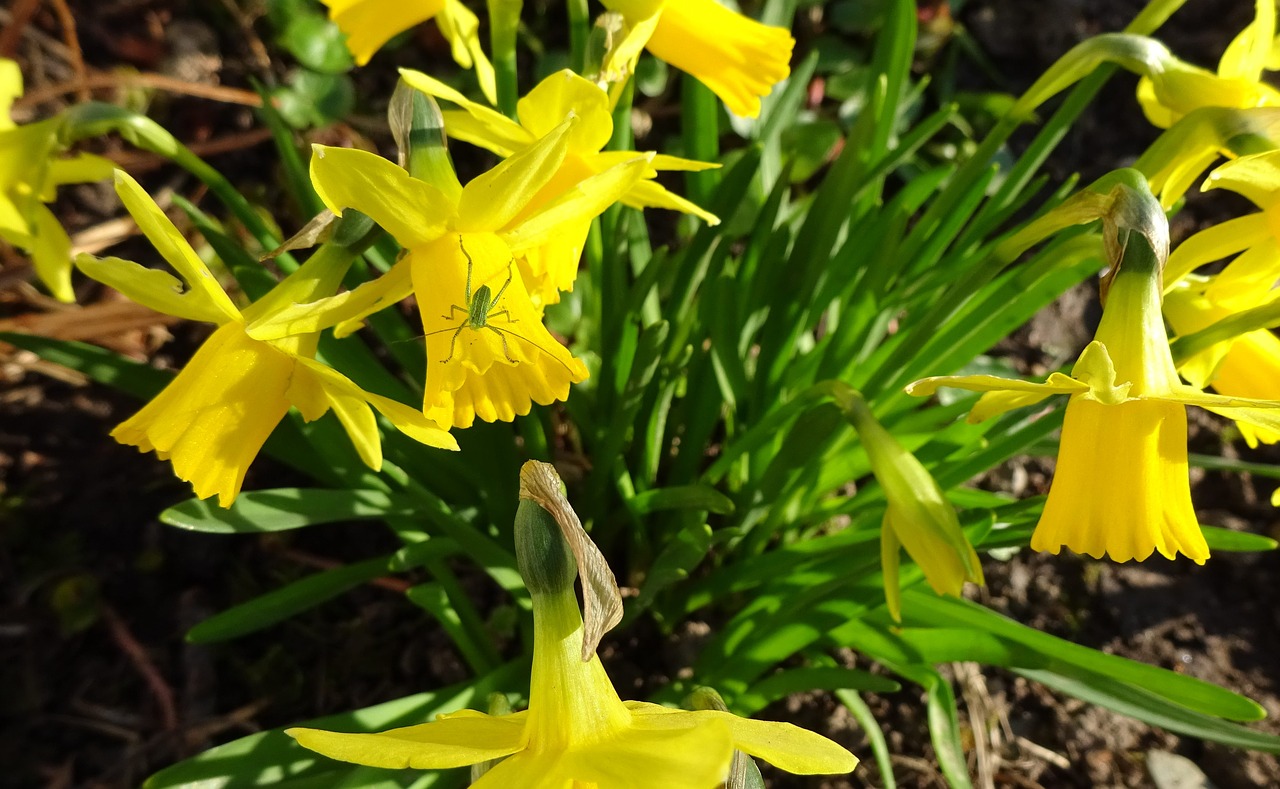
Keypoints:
pixel 783 745
pixel 455 742
pixel 1257 177
pixel 349 404
pixel 475 123
pixel 175 249
pixel 10 89
pixel 1056 384
pixel 353 305
pixel 692 756
pixel 1246 56
pixel 79 169
pixel 651 194
pixel 527 770
pixel 152 288
pixel 1214 243
pixel 890 559
pixel 1248 280
pixel 491 200
pixel 461 29
pixel 368 24
pixel 564 93
pixel 583 202
pixel 51 255
pixel 411 210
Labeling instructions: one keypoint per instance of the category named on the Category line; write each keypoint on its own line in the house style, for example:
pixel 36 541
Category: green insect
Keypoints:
pixel 480 309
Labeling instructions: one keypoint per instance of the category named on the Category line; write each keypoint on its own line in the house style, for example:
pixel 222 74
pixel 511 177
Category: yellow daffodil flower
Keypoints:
pixel 1170 88
pixel 738 58
pixel 1247 365
pixel 1169 95
pixel 368 24
pixel 30 174
pixel 1190 146
pixel 212 419
pixel 917 515
pixel 1121 487
pixel 489 354
pixel 552 269
pixel 576 731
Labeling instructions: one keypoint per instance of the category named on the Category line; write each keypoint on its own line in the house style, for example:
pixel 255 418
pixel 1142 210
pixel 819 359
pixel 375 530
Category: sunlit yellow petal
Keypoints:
pixel 1214 243
pixel 475 123
pixel 738 58
pixel 461 29
pixel 651 194
pixel 1056 384
pixel 51 254
pixel 1257 177
pixel 491 200
pixel 694 757
pixel 10 89
pixel 353 305
pixel 411 210
pixel 1246 56
pixel 1121 486
pixel 564 93
pixel 368 24
pixel 153 288
pixel 455 742
pixel 79 169
pixel 585 201
pixel 162 234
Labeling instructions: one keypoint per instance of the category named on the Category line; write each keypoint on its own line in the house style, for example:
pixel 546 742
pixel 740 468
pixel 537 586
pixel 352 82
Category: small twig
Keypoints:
pixel 1052 757
pixel 142 662
pixel 19 17
pixel 72 39
pixel 135 163
pixel 146 79
pixel 321 563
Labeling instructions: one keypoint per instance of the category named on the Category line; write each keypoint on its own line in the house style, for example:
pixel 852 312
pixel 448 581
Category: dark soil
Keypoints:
pixel 96 594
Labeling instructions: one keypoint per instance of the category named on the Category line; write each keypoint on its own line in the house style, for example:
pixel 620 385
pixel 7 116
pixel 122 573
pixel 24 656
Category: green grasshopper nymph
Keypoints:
pixel 480 310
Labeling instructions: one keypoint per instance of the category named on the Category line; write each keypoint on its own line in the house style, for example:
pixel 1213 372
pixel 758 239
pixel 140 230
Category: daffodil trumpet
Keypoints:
pixel 576 732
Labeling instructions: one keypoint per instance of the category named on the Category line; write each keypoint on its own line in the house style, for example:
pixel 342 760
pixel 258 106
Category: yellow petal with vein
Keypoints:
pixel 411 210
pixel 455 742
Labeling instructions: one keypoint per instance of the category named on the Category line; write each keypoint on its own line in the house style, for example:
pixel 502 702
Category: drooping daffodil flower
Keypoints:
pixel 735 56
pixel 1170 87
pixel 1121 487
pixel 31 171
pixel 489 355
pixel 214 417
pixel 1247 365
pixel 576 731
pixel 917 515
pixel 368 24
pixel 552 268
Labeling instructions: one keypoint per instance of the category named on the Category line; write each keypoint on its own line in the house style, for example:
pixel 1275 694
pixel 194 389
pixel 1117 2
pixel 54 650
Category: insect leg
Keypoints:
pixel 505 350
pixel 469 265
pixel 453 341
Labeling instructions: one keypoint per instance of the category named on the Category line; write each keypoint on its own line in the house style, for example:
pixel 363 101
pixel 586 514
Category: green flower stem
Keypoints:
pixel 701 130
pixel 1266 316
pixel 96 118
pixel 579 32
pixel 504 20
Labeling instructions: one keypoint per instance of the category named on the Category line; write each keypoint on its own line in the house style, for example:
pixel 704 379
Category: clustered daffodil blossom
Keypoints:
pixel 212 419
pixel 1247 365
pixel 462 242
pixel 30 173
pixel 917 516
pixel 368 24
pixel 738 58
pixel 552 268
pixel 1121 487
pixel 576 731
